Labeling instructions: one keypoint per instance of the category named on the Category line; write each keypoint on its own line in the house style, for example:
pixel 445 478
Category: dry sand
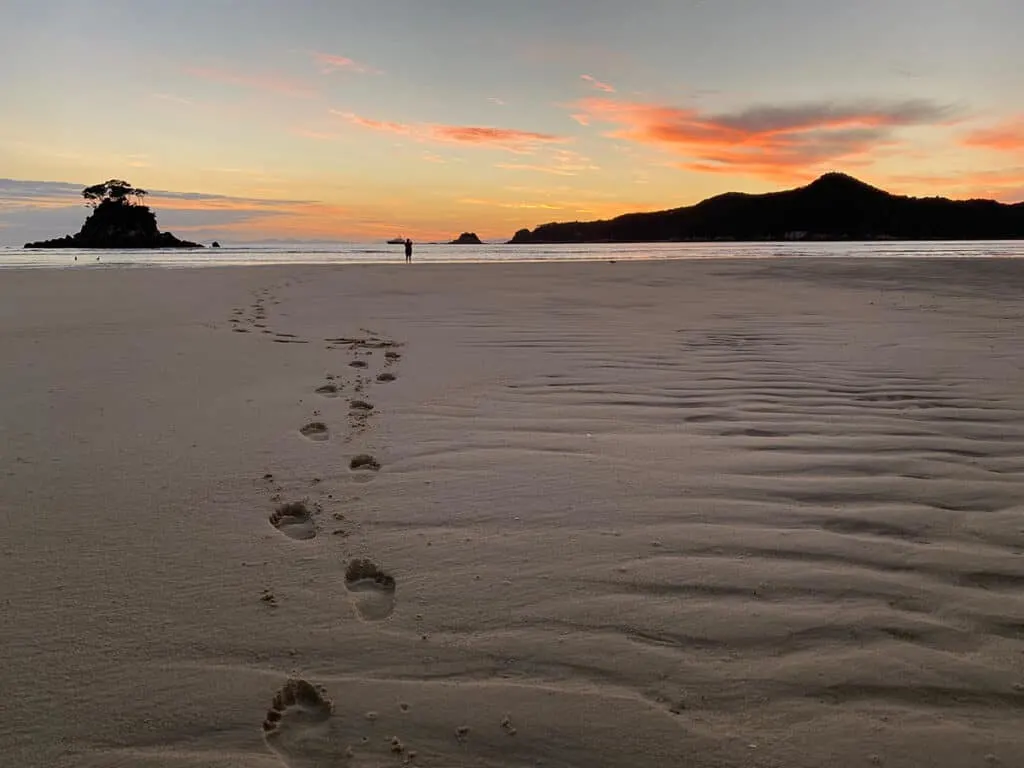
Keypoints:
pixel 634 514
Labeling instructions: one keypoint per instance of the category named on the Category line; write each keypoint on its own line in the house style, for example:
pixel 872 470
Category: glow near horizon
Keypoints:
pixel 362 120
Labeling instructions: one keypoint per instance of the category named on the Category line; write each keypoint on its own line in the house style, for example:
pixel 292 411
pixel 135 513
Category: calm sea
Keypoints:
pixel 361 253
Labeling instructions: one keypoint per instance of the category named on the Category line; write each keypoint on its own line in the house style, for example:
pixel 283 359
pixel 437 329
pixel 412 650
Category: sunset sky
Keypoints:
pixel 366 119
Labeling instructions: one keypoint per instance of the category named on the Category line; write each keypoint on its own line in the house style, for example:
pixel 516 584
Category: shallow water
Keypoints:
pixel 369 253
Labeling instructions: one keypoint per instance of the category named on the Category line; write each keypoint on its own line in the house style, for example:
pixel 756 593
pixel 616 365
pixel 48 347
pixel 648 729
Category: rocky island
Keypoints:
pixel 834 207
pixel 467 238
pixel 119 219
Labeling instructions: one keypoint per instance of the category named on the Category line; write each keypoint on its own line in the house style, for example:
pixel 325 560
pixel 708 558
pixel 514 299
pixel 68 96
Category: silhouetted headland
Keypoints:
pixel 466 238
pixel 834 207
pixel 118 220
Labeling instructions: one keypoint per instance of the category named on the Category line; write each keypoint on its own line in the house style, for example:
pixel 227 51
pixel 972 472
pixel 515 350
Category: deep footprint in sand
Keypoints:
pixel 364 462
pixel 294 520
pixel 372 588
pixel 297 724
pixel 317 431
pixel 328 390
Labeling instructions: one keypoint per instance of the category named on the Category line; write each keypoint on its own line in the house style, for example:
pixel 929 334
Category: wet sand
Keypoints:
pixel 750 513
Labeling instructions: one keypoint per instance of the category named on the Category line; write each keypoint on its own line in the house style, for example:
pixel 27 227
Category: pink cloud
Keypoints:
pixel 383 126
pixel 330 63
pixel 1008 136
pixel 508 139
pixel 597 84
pixel 774 142
pixel 258 82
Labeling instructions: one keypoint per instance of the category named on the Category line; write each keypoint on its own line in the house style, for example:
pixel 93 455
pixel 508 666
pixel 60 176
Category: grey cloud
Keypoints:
pixel 782 118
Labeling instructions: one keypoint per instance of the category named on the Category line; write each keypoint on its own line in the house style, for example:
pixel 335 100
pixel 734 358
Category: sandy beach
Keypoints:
pixel 748 513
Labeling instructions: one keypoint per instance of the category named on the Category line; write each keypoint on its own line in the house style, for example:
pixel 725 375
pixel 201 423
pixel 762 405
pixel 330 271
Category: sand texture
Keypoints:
pixel 761 514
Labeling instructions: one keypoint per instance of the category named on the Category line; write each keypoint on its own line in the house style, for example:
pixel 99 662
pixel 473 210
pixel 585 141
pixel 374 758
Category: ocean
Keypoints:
pixel 364 253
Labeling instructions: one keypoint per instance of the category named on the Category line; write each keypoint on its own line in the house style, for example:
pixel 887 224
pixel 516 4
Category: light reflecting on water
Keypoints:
pixel 362 253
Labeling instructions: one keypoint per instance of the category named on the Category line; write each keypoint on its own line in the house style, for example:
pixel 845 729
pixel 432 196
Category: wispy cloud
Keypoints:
pixel 508 139
pixel 597 84
pixel 259 82
pixel 172 98
pixel 514 205
pixel 496 100
pixel 1007 136
pixel 307 133
pixel 563 162
pixel 329 64
pixel 774 142
pixel 1004 184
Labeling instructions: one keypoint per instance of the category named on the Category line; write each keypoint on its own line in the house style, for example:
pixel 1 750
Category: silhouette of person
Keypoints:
pixel 408 251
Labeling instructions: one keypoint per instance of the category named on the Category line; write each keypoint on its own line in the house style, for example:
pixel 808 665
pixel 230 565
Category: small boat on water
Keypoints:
pixel 396 241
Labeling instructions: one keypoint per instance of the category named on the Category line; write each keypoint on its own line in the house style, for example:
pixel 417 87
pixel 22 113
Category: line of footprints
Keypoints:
pixel 299 705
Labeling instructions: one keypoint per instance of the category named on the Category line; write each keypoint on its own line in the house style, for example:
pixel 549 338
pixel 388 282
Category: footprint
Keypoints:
pixel 364 461
pixel 358 364
pixel 317 431
pixel 297 723
pixel 328 390
pixel 294 520
pixel 360 405
pixel 386 377
pixel 372 588
pixel 471 724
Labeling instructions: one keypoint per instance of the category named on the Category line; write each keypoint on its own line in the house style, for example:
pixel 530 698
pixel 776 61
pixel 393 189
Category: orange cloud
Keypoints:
pixel 1005 184
pixel 330 63
pixel 257 82
pixel 383 126
pixel 508 139
pixel 597 84
pixel 778 143
pixel 1005 137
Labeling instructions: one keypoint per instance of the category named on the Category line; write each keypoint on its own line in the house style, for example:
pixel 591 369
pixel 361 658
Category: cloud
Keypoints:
pixel 564 162
pixel 267 83
pixel 330 64
pixel 516 206
pixel 774 142
pixel 597 84
pixel 508 139
pixel 496 100
pixel 1008 136
pixel 1003 184
pixel 382 126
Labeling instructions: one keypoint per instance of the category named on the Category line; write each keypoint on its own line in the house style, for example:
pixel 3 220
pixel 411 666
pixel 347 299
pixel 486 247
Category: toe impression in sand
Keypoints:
pixel 372 589
pixel 294 520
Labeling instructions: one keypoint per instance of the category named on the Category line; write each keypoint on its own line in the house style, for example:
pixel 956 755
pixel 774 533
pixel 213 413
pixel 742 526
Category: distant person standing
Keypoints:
pixel 408 251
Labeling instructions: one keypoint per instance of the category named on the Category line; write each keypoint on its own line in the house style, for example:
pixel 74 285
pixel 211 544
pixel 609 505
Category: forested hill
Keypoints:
pixel 834 207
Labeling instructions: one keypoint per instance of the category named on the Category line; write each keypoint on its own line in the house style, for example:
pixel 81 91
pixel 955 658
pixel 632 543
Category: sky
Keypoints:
pixel 364 120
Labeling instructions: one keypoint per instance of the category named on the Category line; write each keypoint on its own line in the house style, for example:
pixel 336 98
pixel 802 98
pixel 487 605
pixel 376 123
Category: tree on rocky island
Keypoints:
pixel 119 219
pixel 115 191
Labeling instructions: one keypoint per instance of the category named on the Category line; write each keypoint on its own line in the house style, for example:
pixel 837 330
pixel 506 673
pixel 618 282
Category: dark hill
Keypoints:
pixel 466 238
pixel 118 224
pixel 834 207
